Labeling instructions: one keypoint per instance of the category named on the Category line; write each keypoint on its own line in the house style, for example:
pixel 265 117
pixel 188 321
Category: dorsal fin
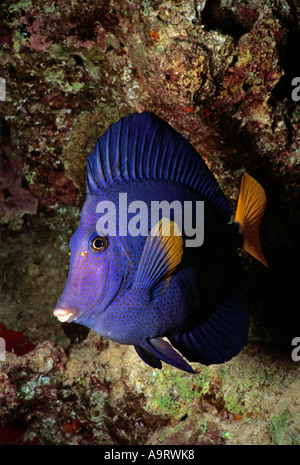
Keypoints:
pixel 143 146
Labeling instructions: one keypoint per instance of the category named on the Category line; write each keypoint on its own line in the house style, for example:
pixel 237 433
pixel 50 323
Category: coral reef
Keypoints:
pixel 97 392
pixel 220 72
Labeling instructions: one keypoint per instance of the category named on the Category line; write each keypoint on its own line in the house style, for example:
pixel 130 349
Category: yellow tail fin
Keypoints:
pixel 250 209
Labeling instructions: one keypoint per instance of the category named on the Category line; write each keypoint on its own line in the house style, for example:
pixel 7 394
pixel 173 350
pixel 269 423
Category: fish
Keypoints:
pixel 137 278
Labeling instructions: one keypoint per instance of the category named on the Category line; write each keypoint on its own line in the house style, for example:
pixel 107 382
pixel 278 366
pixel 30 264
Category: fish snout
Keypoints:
pixel 63 314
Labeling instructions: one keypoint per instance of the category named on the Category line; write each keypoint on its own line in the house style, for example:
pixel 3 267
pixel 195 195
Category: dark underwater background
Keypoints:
pixel 220 72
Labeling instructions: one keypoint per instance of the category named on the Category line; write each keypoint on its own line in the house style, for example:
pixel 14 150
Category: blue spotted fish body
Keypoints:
pixel 152 291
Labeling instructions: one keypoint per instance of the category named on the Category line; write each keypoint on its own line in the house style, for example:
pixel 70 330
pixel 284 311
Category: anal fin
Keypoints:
pixel 148 357
pixel 165 352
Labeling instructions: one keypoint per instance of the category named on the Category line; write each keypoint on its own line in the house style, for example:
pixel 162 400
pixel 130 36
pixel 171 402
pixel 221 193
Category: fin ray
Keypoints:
pixel 143 146
pixel 250 209
pixel 161 255
pixel 222 335
pixel 165 352
pixel 148 357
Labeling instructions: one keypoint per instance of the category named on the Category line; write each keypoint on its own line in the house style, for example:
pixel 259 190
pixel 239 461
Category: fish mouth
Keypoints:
pixel 64 314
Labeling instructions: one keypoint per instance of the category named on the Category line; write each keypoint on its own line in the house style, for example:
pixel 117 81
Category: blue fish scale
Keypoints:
pixel 135 319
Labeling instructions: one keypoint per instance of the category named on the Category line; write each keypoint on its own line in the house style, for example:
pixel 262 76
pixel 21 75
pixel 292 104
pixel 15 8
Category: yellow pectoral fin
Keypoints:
pixel 170 242
pixel 161 255
pixel 250 209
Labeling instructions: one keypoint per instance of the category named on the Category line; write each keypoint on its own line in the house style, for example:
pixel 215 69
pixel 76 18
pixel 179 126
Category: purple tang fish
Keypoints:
pixel 136 277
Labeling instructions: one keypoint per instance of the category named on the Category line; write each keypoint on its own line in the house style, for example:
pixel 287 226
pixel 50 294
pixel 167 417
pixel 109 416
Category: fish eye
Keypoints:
pixel 98 244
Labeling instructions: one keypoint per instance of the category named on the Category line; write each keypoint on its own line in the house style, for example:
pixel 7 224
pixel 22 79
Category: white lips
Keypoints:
pixel 63 314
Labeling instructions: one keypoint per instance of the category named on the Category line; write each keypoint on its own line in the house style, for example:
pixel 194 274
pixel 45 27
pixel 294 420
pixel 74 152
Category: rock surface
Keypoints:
pixel 218 71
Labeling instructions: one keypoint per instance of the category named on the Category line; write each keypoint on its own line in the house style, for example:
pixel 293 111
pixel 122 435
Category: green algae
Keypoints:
pixel 172 393
pixel 242 388
pixel 30 175
pixel 97 409
pixel 58 77
pixel 283 429
pixel 33 388
pixel 50 8
pixel 22 5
